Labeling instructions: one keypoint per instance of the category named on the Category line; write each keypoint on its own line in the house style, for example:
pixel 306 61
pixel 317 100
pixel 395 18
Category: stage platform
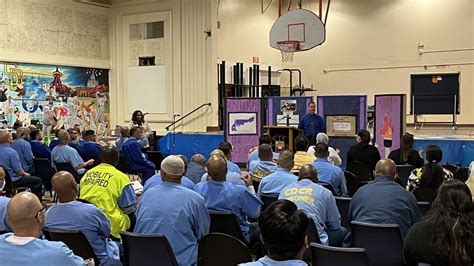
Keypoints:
pixel 458 147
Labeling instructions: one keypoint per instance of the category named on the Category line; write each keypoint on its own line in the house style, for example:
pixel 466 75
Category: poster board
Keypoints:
pixel 390 122
pixel 286 111
pixel 341 125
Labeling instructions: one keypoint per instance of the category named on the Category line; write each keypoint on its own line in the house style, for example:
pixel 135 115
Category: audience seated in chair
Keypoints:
pixel 445 236
pixel 70 214
pixel 318 203
pixel 327 172
pixel 3 202
pixel 156 179
pixel 74 141
pixel 232 177
pixel 124 136
pixel 301 156
pixel 363 152
pixel 111 191
pixel 39 149
pixel 383 201
pixel 10 161
pixel 406 154
pixel 283 230
pixel 253 152
pixel 196 168
pixel 222 196
pixel 182 214
pixel 333 157
pixel 226 148
pixel 136 160
pixel 282 177
pixel 63 153
pixel 261 168
pixel 89 147
pixel 23 246
pixel 431 175
pixel 23 148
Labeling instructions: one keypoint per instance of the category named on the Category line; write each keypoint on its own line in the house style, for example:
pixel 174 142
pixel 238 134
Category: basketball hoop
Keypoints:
pixel 287 49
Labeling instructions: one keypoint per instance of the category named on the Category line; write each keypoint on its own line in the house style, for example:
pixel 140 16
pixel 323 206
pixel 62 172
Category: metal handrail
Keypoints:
pixel 188 114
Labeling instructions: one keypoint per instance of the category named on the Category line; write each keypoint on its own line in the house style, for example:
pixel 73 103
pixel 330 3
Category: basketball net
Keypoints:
pixel 287 49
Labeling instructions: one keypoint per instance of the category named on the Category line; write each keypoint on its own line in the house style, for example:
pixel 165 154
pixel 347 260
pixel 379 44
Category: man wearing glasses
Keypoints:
pixel 23 247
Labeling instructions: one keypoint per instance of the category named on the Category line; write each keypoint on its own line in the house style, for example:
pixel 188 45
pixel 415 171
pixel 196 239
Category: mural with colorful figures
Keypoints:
pixel 55 96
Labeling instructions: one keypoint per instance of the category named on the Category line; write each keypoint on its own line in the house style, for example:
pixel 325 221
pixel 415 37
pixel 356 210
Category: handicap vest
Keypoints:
pixel 102 186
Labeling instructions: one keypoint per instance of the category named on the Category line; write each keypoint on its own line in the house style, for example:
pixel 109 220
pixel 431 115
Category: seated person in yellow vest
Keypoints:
pixel 253 152
pixel 110 190
pixel 63 153
pixel 265 166
pixel 282 177
pixel 136 160
pixel 70 214
pixel 318 203
pixel 156 179
pixel 301 156
pixel 232 177
pixel 23 247
pixel 283 230
pixel 222 196
pixel 226 148
pixel 178 213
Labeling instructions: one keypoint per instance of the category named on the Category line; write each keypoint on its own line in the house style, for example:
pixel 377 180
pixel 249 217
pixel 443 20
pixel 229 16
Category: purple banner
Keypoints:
pixel 240 123
pixel 389 122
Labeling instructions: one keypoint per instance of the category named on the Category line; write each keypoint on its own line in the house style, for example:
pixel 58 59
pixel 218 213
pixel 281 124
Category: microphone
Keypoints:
pixel 176 115
pixel 145 113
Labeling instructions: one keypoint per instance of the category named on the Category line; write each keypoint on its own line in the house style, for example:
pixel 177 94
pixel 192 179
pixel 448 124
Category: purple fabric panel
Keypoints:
pixel 270 111
pixel 362 111
pixel 320 106
pixel 387 116
pixel 242 143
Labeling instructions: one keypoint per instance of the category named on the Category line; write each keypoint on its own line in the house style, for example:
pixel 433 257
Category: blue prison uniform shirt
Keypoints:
pixel 10 161
pixel 53 143
pixel 231 166
pixel 274 183
pixel 260 169
pixel 137 162
pixel 40 150
pixel 3 213
pixel 317 202
pixel 156 180
pixel 23 148
pixel 331 174
pixel 195 172
pixel 89 149
pixel 66 154
pixel 253 156
pixel 178 213
pixel 232 177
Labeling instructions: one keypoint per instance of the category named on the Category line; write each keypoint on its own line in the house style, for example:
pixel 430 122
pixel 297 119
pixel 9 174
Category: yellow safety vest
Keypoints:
pixel 102 186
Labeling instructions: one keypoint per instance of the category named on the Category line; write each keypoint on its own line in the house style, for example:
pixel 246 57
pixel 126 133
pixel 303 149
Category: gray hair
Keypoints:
pixel 322 137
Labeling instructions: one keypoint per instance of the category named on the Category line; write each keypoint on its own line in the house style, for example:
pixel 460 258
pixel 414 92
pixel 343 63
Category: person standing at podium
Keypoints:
pixel 312 124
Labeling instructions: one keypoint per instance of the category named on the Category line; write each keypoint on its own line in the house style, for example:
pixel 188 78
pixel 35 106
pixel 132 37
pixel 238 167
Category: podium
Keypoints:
pixel 287 134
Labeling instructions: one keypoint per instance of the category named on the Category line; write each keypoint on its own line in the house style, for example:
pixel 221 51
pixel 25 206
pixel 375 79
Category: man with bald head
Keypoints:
pixel 174 211
pixel 110 190
pixel 23 247
pixel 327 172
pixel 63 153
pixel 70 214
pixel 265 166
pixel 21 145
pixel 10 161
pixel 383 201
pixel 156 179
pixel 196 168
pixel 253 152
pixel 223 196
pixel 318 203
pixel 282 177
pixel 232 177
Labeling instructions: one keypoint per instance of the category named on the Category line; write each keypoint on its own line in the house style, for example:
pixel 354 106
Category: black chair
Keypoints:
pixel 360 170
pixel 351 182
pixel 68 168
pixel 334 256
pixel 155 157
pixel 217 249
pixel 10 188
pixel 268 199
pixel 424 207
pixel 44 171
pixel 404 172
pixel 146 250
pixel 75 240
pixel 383 242
pixel 427 194
pixel 343 207
pixel 313 237
pixel 328 187
pixel 227 223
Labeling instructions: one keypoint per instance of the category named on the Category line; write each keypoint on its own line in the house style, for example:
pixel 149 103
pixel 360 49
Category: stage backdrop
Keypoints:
pixel 278 108
pixel 389 122
pixel 66 96
pixel 347 106
pixel 243 125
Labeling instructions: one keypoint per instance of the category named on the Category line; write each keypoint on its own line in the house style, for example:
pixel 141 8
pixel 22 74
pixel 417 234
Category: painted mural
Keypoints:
pixel 55 97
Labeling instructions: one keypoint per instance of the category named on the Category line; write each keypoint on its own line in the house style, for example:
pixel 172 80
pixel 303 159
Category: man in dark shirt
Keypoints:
pixel 196 168
pixel 383 201
pixel 312 124
pixel 39 149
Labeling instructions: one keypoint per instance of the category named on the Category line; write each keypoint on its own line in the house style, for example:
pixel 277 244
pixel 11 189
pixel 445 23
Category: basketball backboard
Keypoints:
pixel 298 25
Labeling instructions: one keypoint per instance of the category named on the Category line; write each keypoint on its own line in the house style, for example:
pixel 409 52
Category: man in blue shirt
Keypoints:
pixel 70 214
pixel 3 202
pixel 23 247
pixel 124 135
pixel 383 201
pixel 136 160
pixel 39 149
pixel 232 177
pixel 327 172
pixel 54 142
pixel 178 213
pixel 318 203
pixel 23 148
pixel 196 168
pixel 10 161
pixel 63 153
pixel 282 177
pixel 89 147
pixel 283 230
pixel 265 166
pixel 222 196
pixel 75 141
pixel 226 148
pixel 312 124
pixel 156 179
pixel 253 153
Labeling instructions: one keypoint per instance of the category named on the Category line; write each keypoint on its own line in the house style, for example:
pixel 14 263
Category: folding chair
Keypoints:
pixel 227 223
pixel 404 172
pixel 352 183
pixel 313 237
pixel 217 249
pixel 147 250
pixel 328 187
pixel 44 171
pixel 424 207
pixel 268 199
pixel 68 168
pixel 334 256
pixel 10 187
pixel 343 207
